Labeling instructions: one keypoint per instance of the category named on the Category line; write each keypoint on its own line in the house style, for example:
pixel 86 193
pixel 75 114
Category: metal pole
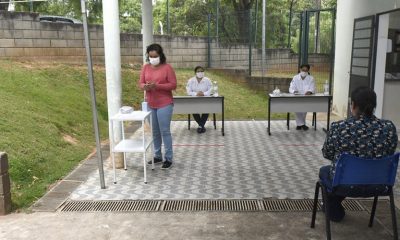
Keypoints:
pixel 250 41
pixel 317 29
pixel 92 94
pixel 168 27
pixel 209 42
pixel 300 39
pixel 332 50
pixel 290 29
pixel 255 27
pixel 216 20
pixel 263 39
pixel 31 6
pixel 306 37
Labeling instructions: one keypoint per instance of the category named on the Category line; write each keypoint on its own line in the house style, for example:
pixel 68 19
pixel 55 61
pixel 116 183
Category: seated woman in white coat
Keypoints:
pixel 199 85
pixel 304 84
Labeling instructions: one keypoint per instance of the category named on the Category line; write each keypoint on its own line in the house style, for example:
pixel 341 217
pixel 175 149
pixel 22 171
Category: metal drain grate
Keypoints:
pixel 230 205
pixel 210 205
pixel 352 205
pixel 304 205
pixel 111 206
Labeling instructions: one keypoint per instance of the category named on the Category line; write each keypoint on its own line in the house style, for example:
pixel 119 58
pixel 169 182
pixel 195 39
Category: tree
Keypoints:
pixel 130 15
pixel 242 8
pixel 67 8
pixel 186 17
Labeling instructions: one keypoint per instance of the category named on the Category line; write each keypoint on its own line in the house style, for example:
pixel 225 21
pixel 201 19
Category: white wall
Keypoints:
pixel 347 11
pixel 391 107
pixel 380 65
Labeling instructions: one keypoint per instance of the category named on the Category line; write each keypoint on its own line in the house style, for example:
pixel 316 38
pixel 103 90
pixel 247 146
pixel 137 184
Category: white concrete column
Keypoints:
pixel 380 67
pixel 347 11
pixel 147 25
pixel 112 53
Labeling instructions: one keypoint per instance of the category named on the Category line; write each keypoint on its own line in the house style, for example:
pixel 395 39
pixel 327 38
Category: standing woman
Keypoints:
pixel 158 80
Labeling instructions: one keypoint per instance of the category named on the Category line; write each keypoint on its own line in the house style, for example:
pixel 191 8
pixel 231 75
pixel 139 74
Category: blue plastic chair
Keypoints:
pixel 353 173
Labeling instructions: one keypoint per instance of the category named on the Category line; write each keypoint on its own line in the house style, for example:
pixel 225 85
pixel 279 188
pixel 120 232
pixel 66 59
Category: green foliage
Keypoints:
pixel 130 15
pixel 67 8
pixel 186 17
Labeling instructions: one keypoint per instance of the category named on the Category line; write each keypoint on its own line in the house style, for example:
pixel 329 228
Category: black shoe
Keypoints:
pixel 199 130
pixel 166 165
pixel 298 127
pixel 203 130
pixel 156 160
pixel 305 128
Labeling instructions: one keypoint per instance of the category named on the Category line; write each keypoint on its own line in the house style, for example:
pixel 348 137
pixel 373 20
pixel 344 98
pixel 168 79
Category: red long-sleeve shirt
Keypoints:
pixel 165 79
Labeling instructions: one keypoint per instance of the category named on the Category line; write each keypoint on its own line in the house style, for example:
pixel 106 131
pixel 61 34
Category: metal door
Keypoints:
pixel 362 53
pixel 361 71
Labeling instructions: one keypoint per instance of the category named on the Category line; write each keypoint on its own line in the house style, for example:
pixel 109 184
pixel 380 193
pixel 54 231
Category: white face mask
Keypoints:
pixel 303 74
pixel 154 61
pixel 200 74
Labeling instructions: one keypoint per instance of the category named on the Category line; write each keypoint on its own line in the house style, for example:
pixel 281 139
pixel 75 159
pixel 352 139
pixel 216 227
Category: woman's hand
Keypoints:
pixel 149 86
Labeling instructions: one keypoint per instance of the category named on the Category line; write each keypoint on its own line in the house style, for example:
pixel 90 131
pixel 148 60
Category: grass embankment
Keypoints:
pixel 45 125
pixel 46 122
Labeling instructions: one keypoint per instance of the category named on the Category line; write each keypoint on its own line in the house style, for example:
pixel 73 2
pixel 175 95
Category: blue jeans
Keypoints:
pixel 161 124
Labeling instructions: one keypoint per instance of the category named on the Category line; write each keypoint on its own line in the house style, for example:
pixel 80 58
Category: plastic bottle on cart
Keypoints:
pixel 326 88
pixel 215 89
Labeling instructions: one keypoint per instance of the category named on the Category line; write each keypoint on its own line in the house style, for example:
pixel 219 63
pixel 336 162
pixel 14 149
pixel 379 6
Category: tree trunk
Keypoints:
pixel 243 24
pixel 290 23
pixel 4 5
pixel 242 8
pixel 317 48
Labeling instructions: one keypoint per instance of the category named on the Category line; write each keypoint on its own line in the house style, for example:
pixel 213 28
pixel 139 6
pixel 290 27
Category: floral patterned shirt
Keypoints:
pixel 366 137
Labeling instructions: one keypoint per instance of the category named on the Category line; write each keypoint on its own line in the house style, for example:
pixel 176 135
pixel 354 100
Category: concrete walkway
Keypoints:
pixel 47 223
pixel 174 226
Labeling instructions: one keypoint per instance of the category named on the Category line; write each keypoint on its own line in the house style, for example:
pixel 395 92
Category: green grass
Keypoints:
pixel 39 106
pixel 46 122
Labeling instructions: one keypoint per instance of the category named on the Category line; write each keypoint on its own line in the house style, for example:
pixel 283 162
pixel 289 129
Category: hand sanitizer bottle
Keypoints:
pixel 276 92
pixel 215 89
pixel 326 88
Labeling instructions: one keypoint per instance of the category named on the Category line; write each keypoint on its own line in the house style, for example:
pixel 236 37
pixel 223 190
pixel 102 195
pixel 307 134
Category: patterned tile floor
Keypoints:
pixel 245 164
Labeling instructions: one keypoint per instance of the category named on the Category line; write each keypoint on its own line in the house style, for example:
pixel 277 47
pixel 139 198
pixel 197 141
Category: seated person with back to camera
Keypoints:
pixel 199 85
pixel 304 84
pixel 362 135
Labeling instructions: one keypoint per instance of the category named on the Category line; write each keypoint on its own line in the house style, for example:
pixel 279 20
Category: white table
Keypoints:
pixel 137 145
pixel 287 102
pixel 206 104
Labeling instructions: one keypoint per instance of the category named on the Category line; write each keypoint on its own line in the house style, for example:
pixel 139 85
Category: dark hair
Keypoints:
pixel 197 68
pixel 156 47
pixel 305 65
pixel 365 99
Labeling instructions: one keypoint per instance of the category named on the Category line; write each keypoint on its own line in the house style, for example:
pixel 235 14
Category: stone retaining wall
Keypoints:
pixel 23 35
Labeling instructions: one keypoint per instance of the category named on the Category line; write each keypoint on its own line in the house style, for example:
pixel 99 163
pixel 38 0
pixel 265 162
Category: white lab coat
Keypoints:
pixel 302 86
pixel 193 86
